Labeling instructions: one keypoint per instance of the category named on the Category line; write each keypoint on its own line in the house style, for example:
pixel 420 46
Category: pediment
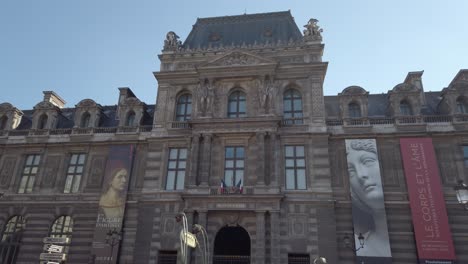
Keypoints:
pixel 87 103
pixel 45 105
pixel 237 58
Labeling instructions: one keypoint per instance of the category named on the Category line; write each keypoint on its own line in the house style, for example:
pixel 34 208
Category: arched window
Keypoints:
pixel 354 110
pixel 236 105
pixel 292 103
pixel 184 107
pixel 3 122
pixel 42 122
pixel 462 107
pixel 130 121
pixel 62 227
pixel 405 108
pixel 85 118
pixel 11 239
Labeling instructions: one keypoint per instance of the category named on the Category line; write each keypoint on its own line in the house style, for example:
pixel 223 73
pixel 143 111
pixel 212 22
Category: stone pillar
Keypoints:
pixel 206 164
pixel 260 170
pixel 194 152
pixel 259 253
pixel 274 237
pixel 275 162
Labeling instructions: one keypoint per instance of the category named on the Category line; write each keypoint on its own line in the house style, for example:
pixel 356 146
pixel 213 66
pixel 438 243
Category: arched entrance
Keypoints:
pixel 232 245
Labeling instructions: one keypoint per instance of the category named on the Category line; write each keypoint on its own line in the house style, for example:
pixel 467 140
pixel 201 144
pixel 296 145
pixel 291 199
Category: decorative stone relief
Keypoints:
pixel 206 96
pixel 265 90
pixel 97 172
pixel 237 58
pixel 297 225
pixel 7 171
pixel 50 170
pixel 168 223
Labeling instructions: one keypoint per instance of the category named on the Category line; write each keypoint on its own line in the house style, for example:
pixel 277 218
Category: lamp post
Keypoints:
pixel 113 238
pixel 348 244
pixel 200 229
pixel 461 190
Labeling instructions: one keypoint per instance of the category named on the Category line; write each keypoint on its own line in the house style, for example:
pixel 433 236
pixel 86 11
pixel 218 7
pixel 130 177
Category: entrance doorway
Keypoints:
pixel 232 246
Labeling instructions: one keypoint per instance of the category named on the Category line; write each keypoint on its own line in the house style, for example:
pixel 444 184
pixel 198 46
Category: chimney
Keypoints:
pixel 51 97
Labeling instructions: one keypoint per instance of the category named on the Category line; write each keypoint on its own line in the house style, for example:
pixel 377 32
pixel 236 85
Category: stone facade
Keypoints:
pixel 309 219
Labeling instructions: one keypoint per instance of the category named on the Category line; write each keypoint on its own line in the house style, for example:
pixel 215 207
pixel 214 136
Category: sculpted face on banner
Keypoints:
pixel 112 201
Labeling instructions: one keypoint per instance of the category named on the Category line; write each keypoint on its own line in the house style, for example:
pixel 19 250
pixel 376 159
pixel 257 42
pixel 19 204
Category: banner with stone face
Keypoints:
pixel 430 221
pixel 107 233
pixel 369 215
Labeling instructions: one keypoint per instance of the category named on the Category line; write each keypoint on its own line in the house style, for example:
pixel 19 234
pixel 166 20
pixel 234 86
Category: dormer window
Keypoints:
pixel 130 121
pixel 85 118
pixel 42 122
pixel 184 107
pixel 236 105
pixel 3 122
pixel 462 107
pixel 405 108
pixel 354 110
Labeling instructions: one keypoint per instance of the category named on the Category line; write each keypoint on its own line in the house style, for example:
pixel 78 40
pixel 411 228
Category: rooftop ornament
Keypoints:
pixel 171 42
pixel 312 31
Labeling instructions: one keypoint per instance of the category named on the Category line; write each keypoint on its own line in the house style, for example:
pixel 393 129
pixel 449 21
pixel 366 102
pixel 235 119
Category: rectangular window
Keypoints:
pixel 465 156
pixel 295 167
pixel 167 257
pixel 234 166
pixel 298 259
pixel 176 165
pixel 28 176
pixel 74 173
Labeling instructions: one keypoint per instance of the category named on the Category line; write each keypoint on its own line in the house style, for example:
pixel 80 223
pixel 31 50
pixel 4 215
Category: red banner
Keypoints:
pixel 431 228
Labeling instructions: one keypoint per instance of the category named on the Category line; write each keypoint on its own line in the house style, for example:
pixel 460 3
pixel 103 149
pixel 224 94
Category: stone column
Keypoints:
pixel 194 152
pixel 260 170
pixel 260 239
pixel 275 162
pixel 206 164
pixel 274 238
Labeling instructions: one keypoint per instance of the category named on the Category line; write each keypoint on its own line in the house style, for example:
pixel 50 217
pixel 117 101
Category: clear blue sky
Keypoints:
pixel 89 48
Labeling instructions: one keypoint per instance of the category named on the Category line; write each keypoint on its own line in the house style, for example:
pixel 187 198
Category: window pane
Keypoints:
pixel 297 104
pixel 73 159
pixel 180 180
pixel 182 165
pixel 172 165
pixel 299 151
pixel 182 153
pixel 76 184
pixel 27 170
pixel 71 169
pixel 301 180
pixel 239 177
pixel 170 180
pixel 22 187
pixel 287 105
pixel 29 160
pixel 465 151
pixel 289 163
pixel 289 181
pixel 242 106
pixel 79 169
pixel 300 163
pixel 228 179
pixel 37 158
pixel 240 152
pixel 289 151
pixel 81 159
pixel 173 154
pixel 68 184
pixel 230 152
pixel 240 164
pixel 232 107
pixel 229 163
pixel 30 185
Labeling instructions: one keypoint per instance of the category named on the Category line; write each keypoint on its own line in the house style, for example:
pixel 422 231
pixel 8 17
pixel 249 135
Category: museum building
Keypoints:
pixel 243 143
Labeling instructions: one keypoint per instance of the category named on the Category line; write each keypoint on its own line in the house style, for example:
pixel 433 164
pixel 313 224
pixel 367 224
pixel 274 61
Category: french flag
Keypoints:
pixel 239 186
pixel 222 188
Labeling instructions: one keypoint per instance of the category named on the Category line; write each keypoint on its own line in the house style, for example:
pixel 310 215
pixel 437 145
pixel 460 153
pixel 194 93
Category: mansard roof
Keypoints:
pixel 243 29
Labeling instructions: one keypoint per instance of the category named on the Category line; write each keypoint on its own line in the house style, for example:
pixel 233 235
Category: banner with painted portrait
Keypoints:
pixel 107 233
pixel 368 206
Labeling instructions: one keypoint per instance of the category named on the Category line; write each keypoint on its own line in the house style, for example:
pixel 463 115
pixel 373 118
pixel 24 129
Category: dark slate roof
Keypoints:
pixel 378 105
pixel 243 29
pixel 67 116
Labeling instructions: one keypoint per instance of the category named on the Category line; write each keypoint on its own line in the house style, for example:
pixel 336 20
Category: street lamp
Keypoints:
pixel 347 242
pixel 113 238
pixel 200 229
pixel 462 193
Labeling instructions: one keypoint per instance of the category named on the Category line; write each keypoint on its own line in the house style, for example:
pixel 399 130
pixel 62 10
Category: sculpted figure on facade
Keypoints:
pixel 312 30
pixel 206 95
pixel 265 91
pixel 172 41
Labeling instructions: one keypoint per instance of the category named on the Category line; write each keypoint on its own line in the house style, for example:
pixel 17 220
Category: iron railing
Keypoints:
pixel 229 259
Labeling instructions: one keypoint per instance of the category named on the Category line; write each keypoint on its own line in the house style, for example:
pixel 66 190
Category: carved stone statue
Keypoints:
pixel 206 96
pixel 265 94
pixel 312 30
pixel 172 41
